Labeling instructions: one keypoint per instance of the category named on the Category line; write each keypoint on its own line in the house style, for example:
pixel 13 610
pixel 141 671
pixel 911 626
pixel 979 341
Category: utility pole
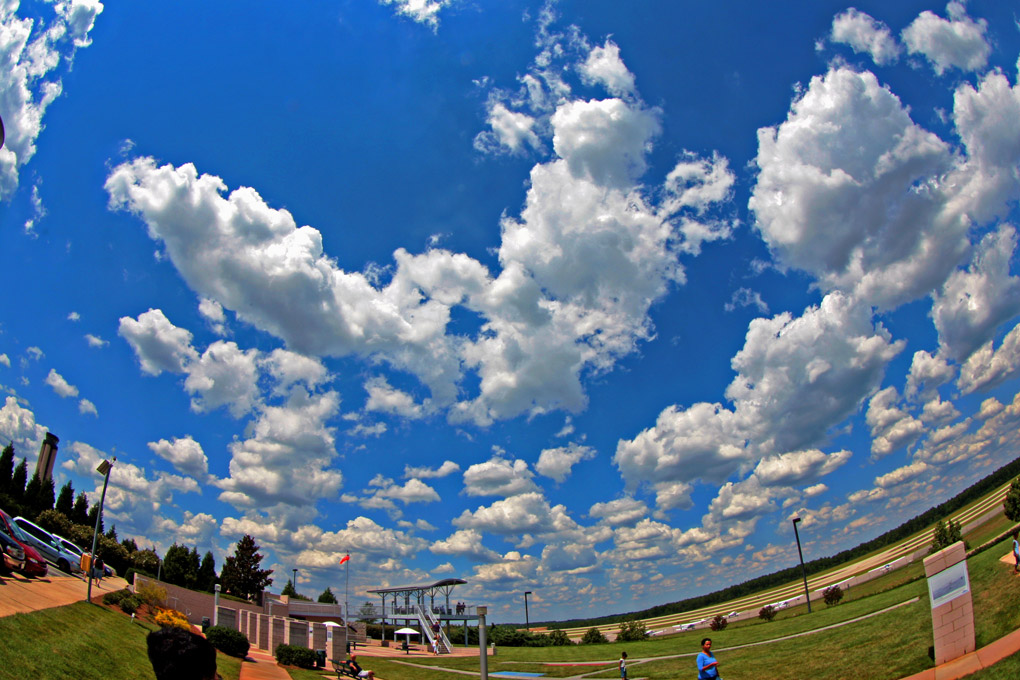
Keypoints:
pixel 803 571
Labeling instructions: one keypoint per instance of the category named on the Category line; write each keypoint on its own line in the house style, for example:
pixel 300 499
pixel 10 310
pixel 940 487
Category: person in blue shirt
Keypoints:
pixel 1016 551
pixel 708 667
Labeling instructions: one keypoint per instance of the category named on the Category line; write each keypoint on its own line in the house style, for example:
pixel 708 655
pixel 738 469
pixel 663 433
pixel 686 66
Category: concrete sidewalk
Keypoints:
pixel 19 594
pixel 262 667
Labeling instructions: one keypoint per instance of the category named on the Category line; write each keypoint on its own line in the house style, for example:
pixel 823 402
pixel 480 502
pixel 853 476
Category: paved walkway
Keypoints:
pixel 19 594
pixel 262 667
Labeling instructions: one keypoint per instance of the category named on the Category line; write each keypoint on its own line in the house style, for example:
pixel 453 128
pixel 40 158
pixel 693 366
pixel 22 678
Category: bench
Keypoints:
pixel 343 669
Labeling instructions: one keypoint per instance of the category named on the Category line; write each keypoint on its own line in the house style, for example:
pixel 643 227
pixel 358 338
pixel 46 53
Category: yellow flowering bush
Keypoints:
pixel 171 617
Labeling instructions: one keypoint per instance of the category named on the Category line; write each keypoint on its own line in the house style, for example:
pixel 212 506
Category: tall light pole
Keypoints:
pixel 293 581
pixel 803 571
pixel 527 621
pixel 103 469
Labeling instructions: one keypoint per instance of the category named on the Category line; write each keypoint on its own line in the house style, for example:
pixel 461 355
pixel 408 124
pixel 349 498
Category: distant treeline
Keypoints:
pixel 779 578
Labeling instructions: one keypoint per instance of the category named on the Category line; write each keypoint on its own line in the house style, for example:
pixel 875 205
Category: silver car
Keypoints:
pixel 49 546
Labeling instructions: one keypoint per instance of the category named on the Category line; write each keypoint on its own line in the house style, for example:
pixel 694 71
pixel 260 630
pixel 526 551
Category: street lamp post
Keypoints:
pixel 803 571
pixel 103 469
pixel 293 581
pixel 527 621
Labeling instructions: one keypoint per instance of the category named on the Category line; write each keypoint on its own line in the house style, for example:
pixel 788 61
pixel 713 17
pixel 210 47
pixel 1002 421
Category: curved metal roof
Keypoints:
pixel 444 583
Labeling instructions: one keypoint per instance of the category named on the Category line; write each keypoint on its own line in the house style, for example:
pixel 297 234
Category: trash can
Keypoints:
pixel 348 646
pixel 205 623
pixel 320 658
pixel 403 645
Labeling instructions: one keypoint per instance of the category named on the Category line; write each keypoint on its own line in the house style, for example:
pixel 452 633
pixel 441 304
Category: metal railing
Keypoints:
pixel 442 612
pixel 430 624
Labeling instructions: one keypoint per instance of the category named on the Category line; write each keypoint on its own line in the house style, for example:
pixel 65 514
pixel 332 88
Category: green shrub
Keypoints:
pixel 116 596
pixel 557 638
pixel 229 641
pixel 594 636
pixel 290 655
pixel 832 594
pixel 718 623
pixel 129 604
pixel 632 631
pixel 767 613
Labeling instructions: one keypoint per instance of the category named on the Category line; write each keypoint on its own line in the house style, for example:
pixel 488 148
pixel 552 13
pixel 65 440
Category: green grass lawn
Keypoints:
pixel 886 646
pixel 81 642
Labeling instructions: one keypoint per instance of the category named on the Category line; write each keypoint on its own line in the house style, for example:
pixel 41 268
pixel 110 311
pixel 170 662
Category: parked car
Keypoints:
pixel 71 548
pixel 33 563
pixel 48 546
pixel 13 553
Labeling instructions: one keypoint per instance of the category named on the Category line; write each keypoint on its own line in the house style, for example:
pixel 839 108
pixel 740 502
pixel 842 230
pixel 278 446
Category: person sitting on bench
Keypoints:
pixel 358 672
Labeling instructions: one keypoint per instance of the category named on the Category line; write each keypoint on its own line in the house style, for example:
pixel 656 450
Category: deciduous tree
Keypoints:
pixel 1010 505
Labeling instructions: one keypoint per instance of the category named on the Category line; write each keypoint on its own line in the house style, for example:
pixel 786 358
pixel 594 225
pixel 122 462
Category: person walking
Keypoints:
pixel 100 568
pixel 1016 552
pixel 708 666
pixel 623 665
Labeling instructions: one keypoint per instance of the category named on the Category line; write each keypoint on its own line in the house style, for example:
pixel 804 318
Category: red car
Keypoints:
pixel 34 564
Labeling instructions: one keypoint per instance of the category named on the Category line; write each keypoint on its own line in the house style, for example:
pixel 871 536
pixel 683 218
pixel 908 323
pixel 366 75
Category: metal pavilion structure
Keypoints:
pixel 416 604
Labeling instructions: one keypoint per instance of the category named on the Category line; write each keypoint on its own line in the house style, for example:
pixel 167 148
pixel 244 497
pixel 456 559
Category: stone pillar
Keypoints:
pixel 952 608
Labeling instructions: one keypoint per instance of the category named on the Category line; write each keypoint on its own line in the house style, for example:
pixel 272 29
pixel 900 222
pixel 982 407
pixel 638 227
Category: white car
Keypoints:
pixel 49 546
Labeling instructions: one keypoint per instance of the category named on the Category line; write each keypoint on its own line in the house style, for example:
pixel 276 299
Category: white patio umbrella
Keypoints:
pixel 408 632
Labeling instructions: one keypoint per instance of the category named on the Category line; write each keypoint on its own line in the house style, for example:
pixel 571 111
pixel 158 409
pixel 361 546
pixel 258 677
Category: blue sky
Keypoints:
pixel 575 298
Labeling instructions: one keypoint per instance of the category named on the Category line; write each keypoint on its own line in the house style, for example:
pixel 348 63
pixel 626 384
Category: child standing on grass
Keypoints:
pixel 623 666
pixel 1016 552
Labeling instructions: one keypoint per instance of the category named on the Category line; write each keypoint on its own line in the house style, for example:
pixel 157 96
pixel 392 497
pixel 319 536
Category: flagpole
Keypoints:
pixel 347 581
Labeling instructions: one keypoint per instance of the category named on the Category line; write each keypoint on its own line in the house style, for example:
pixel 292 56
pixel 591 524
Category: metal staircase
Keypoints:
pixel 427 620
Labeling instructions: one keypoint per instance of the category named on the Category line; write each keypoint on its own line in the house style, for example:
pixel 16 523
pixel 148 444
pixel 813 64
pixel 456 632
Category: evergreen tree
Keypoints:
pixel 6 468
pixel 91 519
pixel 112 533
pixel 80 511
pixel 65 500
pixel 1011 504
pixel 242 575
pixel 289 589
pixel 207 574
pixel 193 566
pixel 130 545
pixel 18 479
pixel 47 495
pixel 328 597
pixel 33 494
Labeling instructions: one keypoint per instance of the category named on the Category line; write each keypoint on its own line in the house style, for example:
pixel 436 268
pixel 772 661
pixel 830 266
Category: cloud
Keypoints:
pixel 74 316
pixel 892 428
pixel 864 34
pixel 185 454
pixel 527 513
pixel 837 193
pixel 32 52
pixel 799 467
pixel 286 457
pixel 927 373
pixel 974 303
pixel 288 369
pixel 224 375
pixel 17 425
pixel 413 491
pixel 796 379
pixel 212 312
pixel 86 407
pixel 510 130
pixel 159 345
pixel 465 543
pixel 498 477
pixel 745 297
pixel 447 468
pixel 386 399
pixel 959 42
pixel 604 66
pixel 620 512
pixel 901 475
pixel 558 462
pixel 5 360
pixel 61 386
pixel 421 11
pixel 95 341
pixel 580 267
pixel 988 367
